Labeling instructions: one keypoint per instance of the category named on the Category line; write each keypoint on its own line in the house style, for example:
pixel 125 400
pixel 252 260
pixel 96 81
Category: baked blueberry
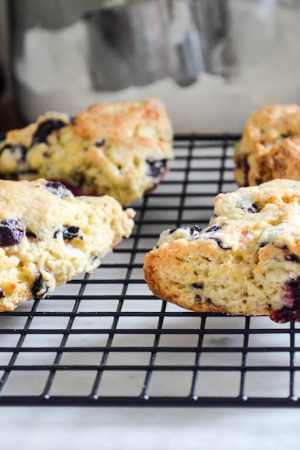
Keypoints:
pixel 59 189
pixel 213 228
pixel 156 168
pixel 195 229
pixel 39 287
pixel 197 285
pixel 100 143
pixel 249 207
pixel 253 208
pixel 243 165
pixel 289 256
pixel 291 297
pixel 45 128
pixel 2 293
pixel 292 257
pixel 30 234
pixel 12 232
pixel 263 244
pixel 192 230
pixel 220 243
pixel 70 233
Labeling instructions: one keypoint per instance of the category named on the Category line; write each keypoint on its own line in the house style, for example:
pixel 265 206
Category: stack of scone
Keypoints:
pixel 248 260
pixel 114 151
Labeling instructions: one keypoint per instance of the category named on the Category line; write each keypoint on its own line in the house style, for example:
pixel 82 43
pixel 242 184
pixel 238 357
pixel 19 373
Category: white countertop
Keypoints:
pixel 136 429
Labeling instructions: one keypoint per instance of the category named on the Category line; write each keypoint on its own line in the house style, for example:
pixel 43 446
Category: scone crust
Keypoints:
pixel 105 149
pixel 243 263
pixel 270 146
pixel 47 236
pixel 155 264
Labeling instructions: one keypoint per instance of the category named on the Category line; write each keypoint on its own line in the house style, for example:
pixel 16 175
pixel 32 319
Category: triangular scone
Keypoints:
pixel 47 236
pixel 118 149
pixel 246 262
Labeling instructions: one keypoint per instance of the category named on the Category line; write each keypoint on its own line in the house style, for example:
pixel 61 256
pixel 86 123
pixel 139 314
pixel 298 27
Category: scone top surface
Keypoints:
pixel 144 121
pixel 105 149
pixel 243 263
pixel 270 146
pixel 47 236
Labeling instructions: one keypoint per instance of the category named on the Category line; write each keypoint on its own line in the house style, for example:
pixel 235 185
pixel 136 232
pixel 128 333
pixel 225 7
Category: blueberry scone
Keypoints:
pixel 47 236
pixel 247 261
pixel 270 146
pixel 119 149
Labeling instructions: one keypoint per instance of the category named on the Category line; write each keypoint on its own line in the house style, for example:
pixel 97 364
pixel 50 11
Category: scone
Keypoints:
pixel 119 149
pixel 270 146
pixel 246 262
pixel 47 236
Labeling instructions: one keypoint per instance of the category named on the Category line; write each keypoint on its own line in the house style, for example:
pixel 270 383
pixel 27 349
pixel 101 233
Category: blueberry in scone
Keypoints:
pixel 58 188
pixel 47 236
pixel 45 128
pixel 119 149
pixel 12 232
pixel 246 262
pixel 270 146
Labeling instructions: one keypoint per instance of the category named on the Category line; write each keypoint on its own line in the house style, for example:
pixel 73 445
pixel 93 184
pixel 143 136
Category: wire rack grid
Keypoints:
pixel 104 339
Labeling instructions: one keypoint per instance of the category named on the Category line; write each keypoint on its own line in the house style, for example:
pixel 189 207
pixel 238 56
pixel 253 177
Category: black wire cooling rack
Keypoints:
pixel 103 339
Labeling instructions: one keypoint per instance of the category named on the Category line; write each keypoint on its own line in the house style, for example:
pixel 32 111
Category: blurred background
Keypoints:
pixel 211 61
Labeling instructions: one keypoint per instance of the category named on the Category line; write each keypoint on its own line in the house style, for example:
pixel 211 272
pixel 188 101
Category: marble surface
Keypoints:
pixel 152 429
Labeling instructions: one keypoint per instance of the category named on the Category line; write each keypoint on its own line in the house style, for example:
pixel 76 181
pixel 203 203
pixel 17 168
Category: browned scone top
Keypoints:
pixel 270 146
pixel 145 121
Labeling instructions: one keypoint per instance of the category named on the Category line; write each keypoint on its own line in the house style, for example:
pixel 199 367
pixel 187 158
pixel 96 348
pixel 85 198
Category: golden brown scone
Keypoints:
pixel 47 236
pixel 246 262
pixel 270 146
pixel 119 149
